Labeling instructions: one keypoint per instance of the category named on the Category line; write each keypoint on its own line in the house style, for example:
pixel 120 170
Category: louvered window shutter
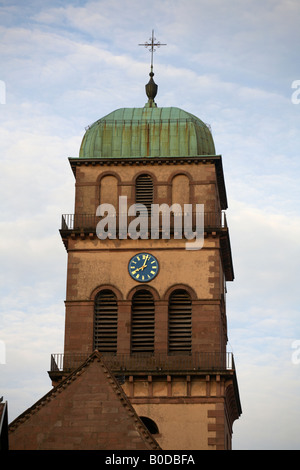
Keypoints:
pixel 142 323
pixel 180 322
pixel 106 322
pixel 144 191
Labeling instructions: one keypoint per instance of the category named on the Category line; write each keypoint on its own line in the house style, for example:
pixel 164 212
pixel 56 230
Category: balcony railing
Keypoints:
pixel 204 361
pixel 89 222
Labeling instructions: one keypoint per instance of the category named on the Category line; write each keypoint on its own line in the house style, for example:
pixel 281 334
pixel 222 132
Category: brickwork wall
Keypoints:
pixel 88 412
pixel 93 263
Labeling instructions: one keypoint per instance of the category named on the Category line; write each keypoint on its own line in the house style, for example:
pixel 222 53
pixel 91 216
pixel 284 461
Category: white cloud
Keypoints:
pixel 262 309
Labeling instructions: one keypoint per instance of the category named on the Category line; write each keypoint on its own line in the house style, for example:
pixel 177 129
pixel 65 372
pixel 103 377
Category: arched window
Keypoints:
pixel 144 191
pixel 180 322
pixel 180 190
pixel 109 191
pixel 105 322
pixel 150 424
pixel 142 322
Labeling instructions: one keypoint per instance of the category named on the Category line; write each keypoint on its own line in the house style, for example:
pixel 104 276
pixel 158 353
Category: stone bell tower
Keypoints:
pixel 154 309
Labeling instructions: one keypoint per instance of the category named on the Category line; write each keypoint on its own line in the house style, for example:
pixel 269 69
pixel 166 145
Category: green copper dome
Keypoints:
pixel 147 132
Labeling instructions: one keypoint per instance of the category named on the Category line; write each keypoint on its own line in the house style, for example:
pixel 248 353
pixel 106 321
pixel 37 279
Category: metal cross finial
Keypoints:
pixel 151 46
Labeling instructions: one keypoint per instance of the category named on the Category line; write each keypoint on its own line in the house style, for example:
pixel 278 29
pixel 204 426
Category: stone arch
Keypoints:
pixel 181 189
pixel 109 189
pixel 101 287
pixel 143 287
pixel 150 424
pixel 171 289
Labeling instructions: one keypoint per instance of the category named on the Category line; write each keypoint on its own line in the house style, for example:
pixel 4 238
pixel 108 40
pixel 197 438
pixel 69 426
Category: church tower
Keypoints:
pixel 148 290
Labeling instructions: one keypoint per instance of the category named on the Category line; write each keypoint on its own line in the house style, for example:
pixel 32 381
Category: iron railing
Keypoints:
pixel 89 222
pixel 205 361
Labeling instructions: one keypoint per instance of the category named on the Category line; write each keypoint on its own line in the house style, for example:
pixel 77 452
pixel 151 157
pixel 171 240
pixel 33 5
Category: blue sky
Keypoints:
pixel 66 64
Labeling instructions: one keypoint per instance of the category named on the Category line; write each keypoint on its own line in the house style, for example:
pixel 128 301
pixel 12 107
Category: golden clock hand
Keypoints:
pixel 141 267
pixel 144 265
pixel 138 269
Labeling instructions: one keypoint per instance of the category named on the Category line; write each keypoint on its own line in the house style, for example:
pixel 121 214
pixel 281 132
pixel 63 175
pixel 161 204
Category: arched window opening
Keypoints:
pixel 106 322
pixel 142 323
pixel 144 191
pixel 150 424
pixel 180 322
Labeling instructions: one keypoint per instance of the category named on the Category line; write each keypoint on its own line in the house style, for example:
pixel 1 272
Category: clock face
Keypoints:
pixel 143 267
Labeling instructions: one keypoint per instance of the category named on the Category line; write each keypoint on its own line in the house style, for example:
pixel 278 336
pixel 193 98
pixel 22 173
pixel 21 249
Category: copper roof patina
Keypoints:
pixel 147 132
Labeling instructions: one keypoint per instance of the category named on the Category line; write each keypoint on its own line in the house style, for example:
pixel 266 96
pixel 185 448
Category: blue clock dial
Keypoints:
pixel 143 267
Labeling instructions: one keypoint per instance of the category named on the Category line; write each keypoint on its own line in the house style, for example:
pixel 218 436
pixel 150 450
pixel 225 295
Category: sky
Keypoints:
pixel 235 65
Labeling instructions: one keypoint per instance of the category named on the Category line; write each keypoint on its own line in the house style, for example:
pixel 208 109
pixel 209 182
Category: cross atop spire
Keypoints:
pixel 151 87
pixel 151 46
